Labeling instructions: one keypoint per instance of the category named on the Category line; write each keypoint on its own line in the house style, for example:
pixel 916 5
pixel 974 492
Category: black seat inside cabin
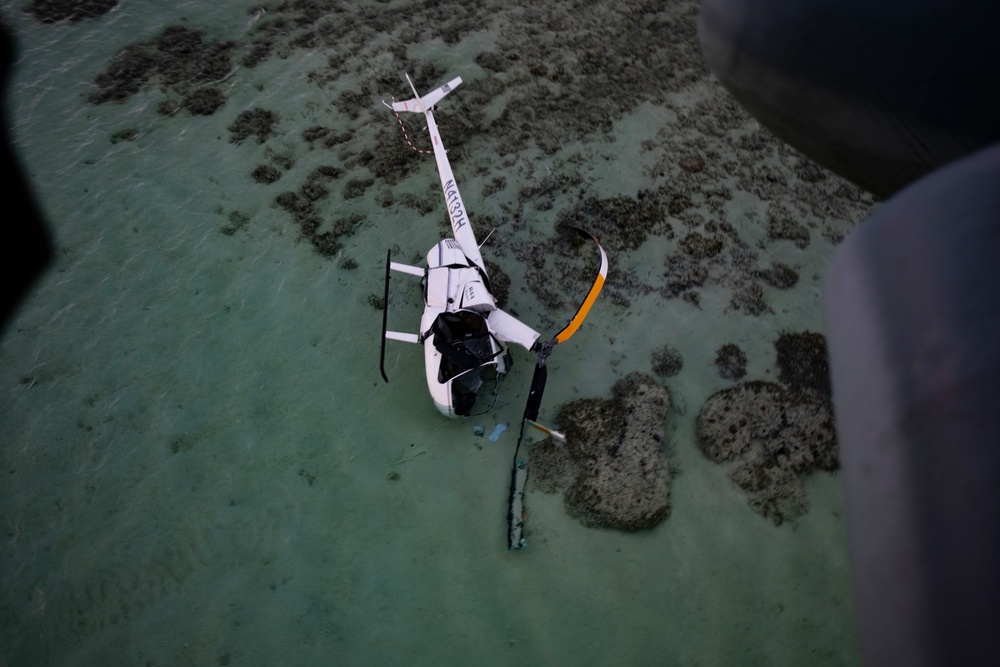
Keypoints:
pixel 463 339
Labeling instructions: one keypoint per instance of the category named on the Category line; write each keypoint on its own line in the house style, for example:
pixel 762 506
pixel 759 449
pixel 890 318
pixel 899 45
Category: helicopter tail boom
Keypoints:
pixel 457 215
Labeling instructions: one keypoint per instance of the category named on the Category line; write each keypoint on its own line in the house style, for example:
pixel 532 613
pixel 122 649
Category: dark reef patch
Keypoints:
pixel 749 298
pixel 499 282
pixel 712 253
pixel 621 223
pixel 184 57
pixel 731 362
pixel 127 134
pixel 612 467
pixel 127 73
pixel 178 58
pixel 786 229
pixel 802 361
pixel 691 163
pixel 494 186
pixel 356 187
pixel 529 95
pixel 168 106
pixel 392 159
pixel 565 254
pixel 809 171
pixel 259 52
pixel 204 101
pixel 773 435
pixel 683 276
pixel 667 361
pixel 699 246
pixel 779 275
pixel 301 205
pixel 253 122
pixel 237 221
pixel 494 63
pixel 314 133
pixel 265 173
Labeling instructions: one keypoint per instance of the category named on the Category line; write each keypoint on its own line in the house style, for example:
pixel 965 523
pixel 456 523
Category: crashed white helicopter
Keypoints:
pixel 463 332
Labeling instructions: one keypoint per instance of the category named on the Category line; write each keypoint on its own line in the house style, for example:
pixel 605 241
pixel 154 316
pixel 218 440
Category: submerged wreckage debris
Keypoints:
pixel 775 434
pixel 612 467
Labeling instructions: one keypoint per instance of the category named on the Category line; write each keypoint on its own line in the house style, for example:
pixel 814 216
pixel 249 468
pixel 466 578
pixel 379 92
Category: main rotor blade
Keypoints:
pixel 519 470
pixel 536 391
pixel 595 289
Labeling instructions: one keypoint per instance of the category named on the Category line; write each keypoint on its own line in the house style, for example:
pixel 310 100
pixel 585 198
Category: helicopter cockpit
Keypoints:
pixel 470 356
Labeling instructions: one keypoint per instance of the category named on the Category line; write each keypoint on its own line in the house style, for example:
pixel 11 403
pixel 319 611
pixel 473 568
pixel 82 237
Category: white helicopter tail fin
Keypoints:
pixel 419 104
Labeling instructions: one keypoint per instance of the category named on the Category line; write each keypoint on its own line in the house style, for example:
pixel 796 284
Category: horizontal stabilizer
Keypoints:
pixel 407 268
pixel 405 337
pixel 429 100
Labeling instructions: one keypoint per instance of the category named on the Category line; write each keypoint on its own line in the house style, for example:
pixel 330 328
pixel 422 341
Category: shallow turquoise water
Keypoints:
pixel 196 444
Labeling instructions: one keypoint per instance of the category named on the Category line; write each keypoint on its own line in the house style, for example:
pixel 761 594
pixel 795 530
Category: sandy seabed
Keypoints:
pixel 201 463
